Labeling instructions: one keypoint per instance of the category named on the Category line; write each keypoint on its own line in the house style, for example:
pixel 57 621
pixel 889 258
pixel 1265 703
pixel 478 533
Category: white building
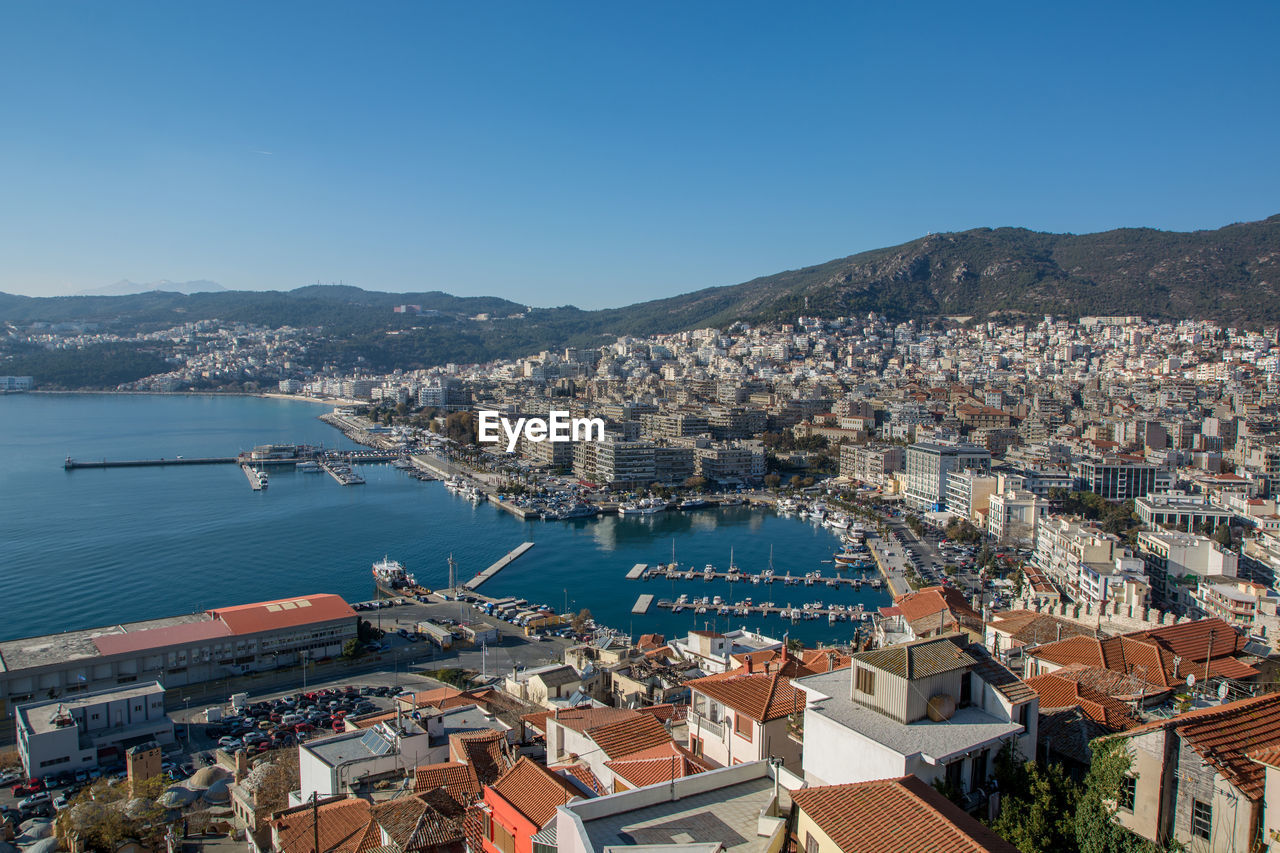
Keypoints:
pixel 89 729
pixel 1177 562
pixel 1012 516
pixel 712 652
pixel 939 708
pixel 929 463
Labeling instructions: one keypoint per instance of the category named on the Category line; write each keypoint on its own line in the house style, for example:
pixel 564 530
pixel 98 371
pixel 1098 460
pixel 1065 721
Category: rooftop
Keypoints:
pixel 39 716
pixel 969 728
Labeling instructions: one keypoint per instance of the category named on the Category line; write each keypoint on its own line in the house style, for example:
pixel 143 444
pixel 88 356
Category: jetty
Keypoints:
pixel 255 482
pixel 498 566
pixel 342 472
pixel 811 611
pixel 74 464
pixel 637 571
pixel 814 578
pixel 642 604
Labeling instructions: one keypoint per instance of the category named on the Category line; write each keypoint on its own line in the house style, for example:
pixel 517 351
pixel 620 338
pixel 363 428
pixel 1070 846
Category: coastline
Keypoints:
pixel 266 395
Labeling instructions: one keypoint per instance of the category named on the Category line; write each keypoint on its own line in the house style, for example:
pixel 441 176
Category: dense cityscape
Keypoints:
pixel 1076 521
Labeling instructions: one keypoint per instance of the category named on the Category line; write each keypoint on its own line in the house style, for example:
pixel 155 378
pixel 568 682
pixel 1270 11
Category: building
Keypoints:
pixel 519 805
pixel 1012 516
pixel 712 652
pixel 741 716
pixel 871 464
pixel 1177 562
pixel 1180 511
pixel 1064 548
pixel 1196 778
pixel 969 493
pixel 17 383
pixel 1118 478
pixel 176 651
pixel 887 814
pixel 81 732
pixel 1250 608
pixel 928 465
pixel 939 708
pixel 740 809
pixel 596 736
pixel 615 461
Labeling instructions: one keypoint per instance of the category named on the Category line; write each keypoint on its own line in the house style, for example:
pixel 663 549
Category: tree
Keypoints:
pixel 1037 805
pixel 352 648
pixel 1097 830
pixel 581 619
pixel 772 481
pixel 696 483
pixel 1223 535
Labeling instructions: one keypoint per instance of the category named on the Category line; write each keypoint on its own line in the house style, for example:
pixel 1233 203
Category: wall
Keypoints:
pixel 835 755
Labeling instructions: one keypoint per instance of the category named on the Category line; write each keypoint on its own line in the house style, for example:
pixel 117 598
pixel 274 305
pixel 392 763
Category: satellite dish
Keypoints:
pixel 1222 691
pixel 1191 680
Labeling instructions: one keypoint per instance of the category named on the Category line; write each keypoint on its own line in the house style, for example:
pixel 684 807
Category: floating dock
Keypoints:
pixel 73 464
pixel 637 571
pixel 812 611
pixel 642 604
pixel 788 579
pixel 342 473
pixel 498 566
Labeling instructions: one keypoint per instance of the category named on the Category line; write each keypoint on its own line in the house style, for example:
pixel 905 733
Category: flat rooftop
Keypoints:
pixel 727 815
pixel 30 652
pixel 38 716
pixel 968 728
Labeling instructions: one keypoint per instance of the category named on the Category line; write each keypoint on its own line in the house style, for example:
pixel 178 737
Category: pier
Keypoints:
pixel 808 579
pixel 342 472
pixel 642 605
pixel 811 611
pixel 256 482
pixel 74 464
pixel 498 566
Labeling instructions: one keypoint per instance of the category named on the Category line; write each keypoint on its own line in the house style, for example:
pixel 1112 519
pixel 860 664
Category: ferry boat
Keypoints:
pixel 646 506
pixel 391 573
pixel 694 503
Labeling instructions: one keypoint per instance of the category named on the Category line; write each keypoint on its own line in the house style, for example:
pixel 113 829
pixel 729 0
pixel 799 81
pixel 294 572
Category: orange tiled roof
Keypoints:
pixel 657 764
pixel 342 826
pixel 586 717
pixel 824 660
pixel 533 790
pixel 580 771
pixel 486 750
pixel 943 605
pixel 458 778
pixel 423 821
pixel 625 737
pixel 896 816
pixel 761 696
pixel 1056 691
pixel 1225 736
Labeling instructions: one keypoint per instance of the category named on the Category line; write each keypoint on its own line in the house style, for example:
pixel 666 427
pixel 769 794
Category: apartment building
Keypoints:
pixel 969 493
pixel 1012 516
pixel 871 464
pixel 1181 511
pixel 928 465
pixel 1177 562
pixel 81 732
pixel 1119 478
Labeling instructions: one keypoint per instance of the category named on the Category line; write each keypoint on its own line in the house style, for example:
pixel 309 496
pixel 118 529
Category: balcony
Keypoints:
pixel 706 724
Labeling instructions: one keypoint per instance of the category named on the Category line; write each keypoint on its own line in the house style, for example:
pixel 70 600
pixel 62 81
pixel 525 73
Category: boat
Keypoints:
pixel 732 502
pixel 308 467
pixel 694 503
pixel 787 505
pixel 391 573
pixel 645 506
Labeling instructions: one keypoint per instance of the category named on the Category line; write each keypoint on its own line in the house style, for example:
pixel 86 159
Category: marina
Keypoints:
pixel 257 478
pixel 642 604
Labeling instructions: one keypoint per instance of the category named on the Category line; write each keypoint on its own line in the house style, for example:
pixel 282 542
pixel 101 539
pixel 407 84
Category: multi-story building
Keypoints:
pixel 729 461
pixel 1012 516
pixel 615 462
pixel 969 493
pixel 1064 548
pixel 1180 511
pixel 940 709
pixel 1119 478
pixel 871 464
pixel 1249 607
pixel 176 651
pixel 928 464
pixel 741 715
pixel 1177 562
pixel 82 731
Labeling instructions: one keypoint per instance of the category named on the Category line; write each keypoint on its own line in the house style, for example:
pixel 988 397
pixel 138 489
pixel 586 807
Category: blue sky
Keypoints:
pixel 603 153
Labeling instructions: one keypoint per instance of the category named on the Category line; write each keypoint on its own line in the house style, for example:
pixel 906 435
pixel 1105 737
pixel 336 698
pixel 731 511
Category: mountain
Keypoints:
pixel 124 287
pixel 1230 275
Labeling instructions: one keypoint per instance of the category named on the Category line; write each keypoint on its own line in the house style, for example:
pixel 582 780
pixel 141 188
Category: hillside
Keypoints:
pixel 1231 275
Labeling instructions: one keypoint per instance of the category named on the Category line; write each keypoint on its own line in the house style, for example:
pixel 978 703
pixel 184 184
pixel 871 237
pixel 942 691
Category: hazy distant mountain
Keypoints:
pixel 124 287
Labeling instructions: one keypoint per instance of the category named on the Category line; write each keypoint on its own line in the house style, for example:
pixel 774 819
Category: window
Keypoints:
pixel 810 843
pixel 1201 819
pixel 866 681
pixel 1128 794
pixel 742 725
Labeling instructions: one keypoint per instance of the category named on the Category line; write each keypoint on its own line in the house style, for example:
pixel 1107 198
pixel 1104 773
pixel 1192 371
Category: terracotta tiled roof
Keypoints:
pixel 937 608
pixel 1031 628
pixel 896 816
pixel 995 673
pixel 1117 685
pixel 460 779
pixel 582 773
pixel 1056 691
pixel 1225 736
pixel 760 696
pixel 658 764
pixel 342 825
pixel 651 641
pixel 824 660
pixel 630 735
pixel 662 713
pixel 283 613
pixel 423 820
pixel 1069 732
pixel 581 719
pixel 533 790
pixel 537 720
pixel 1269 756
pixel 487 751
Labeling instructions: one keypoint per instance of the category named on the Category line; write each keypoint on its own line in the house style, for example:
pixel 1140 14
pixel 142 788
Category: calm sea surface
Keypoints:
pixel 93 547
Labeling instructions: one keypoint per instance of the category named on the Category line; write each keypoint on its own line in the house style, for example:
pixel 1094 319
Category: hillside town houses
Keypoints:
pixel 1120 475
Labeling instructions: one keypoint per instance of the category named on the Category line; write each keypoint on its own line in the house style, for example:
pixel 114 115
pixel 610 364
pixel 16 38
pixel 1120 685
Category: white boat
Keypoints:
pixel 392 573
pixel 645 506
pixel 308 467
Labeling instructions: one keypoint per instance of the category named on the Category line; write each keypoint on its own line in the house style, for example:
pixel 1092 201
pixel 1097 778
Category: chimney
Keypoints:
pixel 750 665
pixel 242 765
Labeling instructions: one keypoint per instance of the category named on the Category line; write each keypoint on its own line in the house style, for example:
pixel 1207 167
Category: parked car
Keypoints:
pixel 35 799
